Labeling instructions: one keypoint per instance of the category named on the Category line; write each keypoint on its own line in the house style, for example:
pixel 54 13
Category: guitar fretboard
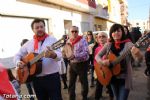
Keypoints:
pixel 54 46
pixel 120 58
pixel 38 57
pixel 127 52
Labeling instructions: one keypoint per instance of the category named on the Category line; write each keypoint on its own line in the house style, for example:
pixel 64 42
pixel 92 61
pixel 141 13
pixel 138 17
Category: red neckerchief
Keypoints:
pixel 73 42
pixel 117 43
pixel 148 49
pixel 37 39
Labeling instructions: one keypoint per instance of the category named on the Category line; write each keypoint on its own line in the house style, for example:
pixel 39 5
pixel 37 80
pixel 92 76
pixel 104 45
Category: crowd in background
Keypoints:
pixel 79 57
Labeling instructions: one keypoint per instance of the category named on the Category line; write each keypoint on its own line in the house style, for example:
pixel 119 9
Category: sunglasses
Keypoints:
pixel 74 31
pixel 103 36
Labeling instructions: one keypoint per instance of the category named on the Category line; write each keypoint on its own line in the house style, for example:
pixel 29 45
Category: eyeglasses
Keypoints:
pixel 103 36
pixel 89 34
pixel 74 31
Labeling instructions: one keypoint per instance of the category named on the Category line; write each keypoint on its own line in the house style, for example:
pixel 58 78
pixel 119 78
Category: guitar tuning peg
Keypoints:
pixel 65 37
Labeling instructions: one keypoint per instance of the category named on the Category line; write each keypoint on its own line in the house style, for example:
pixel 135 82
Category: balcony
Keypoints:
pixel 71 4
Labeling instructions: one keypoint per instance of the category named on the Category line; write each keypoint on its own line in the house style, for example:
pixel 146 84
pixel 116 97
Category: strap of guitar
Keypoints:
pixel 107 53
pixel 108 50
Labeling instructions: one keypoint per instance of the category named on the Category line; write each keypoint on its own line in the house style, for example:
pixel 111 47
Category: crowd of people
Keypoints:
pixel 79 56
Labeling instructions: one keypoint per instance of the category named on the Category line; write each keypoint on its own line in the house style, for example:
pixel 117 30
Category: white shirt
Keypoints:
pixel 49 65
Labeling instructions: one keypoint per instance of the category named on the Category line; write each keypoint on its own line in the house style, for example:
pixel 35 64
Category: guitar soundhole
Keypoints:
pixel 38 69
pixel 111 65
pixel 103 74
pixel 28 64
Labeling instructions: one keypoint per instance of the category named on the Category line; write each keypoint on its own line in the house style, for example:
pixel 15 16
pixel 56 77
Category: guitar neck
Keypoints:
pixel 54 46
pixel 39 56
pixel 127 52
pixel 36 58
pixel 137 44
pixel 120 58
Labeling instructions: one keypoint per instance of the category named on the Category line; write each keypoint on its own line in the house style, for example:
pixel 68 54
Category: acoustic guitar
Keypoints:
pixel 105 73
pixel 33 62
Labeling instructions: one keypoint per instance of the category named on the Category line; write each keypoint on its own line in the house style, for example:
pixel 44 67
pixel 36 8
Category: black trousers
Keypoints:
pixel 99 90
pixel 91 65
pixel 78 69
pixel 147 59
pixel 29 88
pixel 48 87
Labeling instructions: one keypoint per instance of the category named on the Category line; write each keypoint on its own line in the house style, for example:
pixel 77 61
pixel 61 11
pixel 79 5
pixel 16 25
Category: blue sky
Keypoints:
pixel 138 9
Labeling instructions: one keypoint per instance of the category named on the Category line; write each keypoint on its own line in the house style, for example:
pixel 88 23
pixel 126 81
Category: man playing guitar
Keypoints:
pixel 47 83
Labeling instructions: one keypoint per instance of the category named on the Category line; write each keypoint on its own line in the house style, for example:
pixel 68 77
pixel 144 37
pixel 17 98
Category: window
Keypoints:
pixel 85 26
pixel 99 28
pixel 13 30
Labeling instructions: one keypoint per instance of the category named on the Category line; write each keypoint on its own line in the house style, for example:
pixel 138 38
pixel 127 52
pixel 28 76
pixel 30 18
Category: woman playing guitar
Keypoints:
pixel 102 38
pixel 121 81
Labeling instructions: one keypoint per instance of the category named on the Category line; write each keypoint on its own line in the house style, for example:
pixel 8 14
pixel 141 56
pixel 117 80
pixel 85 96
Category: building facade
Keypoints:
pixel 17 15
pixel 16 19
pixel 109 12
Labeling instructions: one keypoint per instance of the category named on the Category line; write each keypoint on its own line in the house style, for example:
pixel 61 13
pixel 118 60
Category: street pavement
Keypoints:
pixel 141 85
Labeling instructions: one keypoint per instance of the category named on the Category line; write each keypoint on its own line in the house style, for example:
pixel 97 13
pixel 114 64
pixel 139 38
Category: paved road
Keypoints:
pixel 141 85
pixel 141 89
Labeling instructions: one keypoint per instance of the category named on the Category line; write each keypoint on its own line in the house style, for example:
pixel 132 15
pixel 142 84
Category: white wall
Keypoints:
pixel 115 11
pixel 54 14
pixel 12 31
